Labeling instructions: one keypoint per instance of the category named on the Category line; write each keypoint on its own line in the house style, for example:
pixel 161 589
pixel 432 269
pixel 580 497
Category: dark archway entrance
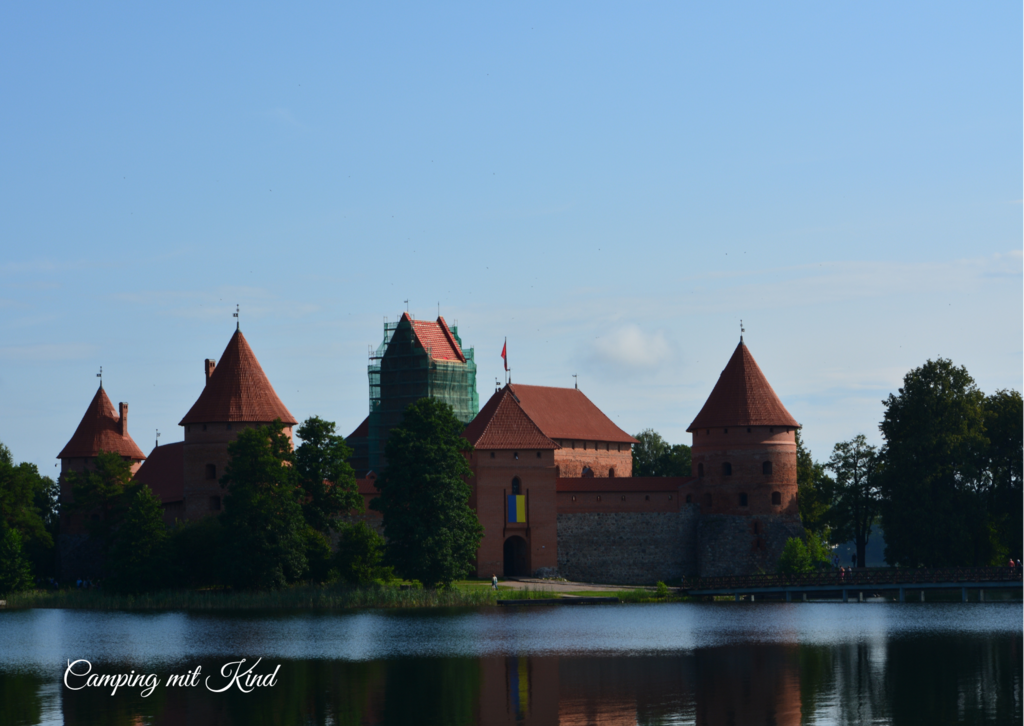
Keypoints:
pixel 516 559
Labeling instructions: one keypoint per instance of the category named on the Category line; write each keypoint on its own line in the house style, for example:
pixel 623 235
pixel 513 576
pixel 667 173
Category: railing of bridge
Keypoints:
pixel 852 579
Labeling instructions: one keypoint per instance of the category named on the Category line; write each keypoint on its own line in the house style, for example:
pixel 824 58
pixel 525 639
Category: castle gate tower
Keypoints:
pixel 744 458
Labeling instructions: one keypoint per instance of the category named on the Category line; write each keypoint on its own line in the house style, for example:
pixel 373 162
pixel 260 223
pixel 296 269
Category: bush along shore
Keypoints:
pixel 305 597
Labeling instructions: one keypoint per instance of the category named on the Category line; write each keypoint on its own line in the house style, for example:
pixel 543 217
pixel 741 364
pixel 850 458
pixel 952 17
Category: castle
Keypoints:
pixel 552 480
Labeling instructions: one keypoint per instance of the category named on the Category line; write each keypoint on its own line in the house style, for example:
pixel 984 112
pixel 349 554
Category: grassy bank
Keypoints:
pixel 303 597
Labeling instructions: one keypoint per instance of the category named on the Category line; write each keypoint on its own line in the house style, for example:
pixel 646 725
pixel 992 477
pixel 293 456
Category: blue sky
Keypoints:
pixel 611 186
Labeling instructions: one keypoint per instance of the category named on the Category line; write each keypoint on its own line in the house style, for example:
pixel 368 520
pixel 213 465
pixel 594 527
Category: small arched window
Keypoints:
pixel 726 469
pixel 700 470
pixel 777 498
pixel 492 454
pixel 611 473
pixel 766 468
pixel 587 472
pixel 689 499
pixel 517 486
pixel 743 499
pixel 707 500
pixel 515 455
pixel 211 471
pixel 538 454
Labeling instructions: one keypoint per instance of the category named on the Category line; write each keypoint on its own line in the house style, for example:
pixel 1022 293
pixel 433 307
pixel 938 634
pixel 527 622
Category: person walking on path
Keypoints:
pixel 494 582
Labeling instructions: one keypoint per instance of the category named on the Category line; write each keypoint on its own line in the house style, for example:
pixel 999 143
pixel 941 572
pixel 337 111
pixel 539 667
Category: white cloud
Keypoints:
pixel 629 347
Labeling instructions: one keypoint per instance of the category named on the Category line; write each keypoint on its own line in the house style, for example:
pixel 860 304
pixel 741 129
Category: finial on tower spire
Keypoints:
pixel 742 331
pixel 100 376
pixel 238 322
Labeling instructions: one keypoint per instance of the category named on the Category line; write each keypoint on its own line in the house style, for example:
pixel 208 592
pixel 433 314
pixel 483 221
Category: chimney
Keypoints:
pixel 122 424
pixel 210 365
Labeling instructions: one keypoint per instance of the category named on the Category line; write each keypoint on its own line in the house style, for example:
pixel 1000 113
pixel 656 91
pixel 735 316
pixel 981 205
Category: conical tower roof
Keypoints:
pixel 503 424
pixel 238 390
pixel 742 397
pixel 100 430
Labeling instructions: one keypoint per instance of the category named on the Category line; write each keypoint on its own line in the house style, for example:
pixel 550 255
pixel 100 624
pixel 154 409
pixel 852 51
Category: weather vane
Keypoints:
pixel 157 438
pixel 406 305
pixel 238 322
pixel 575 381
pixel 100 376
pixel 742 331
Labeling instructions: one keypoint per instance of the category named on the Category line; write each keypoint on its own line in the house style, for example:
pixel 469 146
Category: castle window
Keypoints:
pixel 515 455
pixel 647 498
pixel 726 469
pixel 766 468
pixel 623 497
pixel 707 500
pixel 670 497
pixel 574 497
pixel 598 497
pixel 743 499
pixel 776 498
pixel 229 427
pixel 700 470
pixel 725 430
pixel 517 486
pixel 689 499
pixel 538 454
pixel 748 429
pixel 204 427
pixel 757 527
pixel 587 472
pixel 214 504
pixel 492 454
pixel 211 471
pixel 611 472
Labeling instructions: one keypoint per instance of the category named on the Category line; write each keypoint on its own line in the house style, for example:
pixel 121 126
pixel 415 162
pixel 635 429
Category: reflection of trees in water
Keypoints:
pixel 20 700
pixel 921 679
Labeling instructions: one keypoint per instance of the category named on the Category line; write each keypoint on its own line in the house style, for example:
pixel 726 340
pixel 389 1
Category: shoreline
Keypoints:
pixel 310 598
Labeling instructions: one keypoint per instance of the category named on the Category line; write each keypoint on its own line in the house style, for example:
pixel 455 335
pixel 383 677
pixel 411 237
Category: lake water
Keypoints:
pixel 721 663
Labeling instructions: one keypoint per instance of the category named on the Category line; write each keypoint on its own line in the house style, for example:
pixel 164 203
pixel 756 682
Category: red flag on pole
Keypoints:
pixel 504 354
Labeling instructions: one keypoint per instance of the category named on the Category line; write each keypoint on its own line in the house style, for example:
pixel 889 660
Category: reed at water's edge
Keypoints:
pixel 300 597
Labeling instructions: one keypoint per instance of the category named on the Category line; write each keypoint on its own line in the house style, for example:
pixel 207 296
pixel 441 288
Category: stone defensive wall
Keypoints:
pixel 731 545
pixel 630 531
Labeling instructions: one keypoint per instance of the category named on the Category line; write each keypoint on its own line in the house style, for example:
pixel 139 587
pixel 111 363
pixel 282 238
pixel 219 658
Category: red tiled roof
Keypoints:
pixel 621 484
pixel 565 413
pixel 502 424
pixel 362 430
pixel 436 338
pixel 742 397
pixel 164 472
pixel 100 430
pixel 238 390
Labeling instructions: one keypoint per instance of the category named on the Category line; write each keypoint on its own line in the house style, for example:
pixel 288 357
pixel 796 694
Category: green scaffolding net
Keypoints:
pixel 402 371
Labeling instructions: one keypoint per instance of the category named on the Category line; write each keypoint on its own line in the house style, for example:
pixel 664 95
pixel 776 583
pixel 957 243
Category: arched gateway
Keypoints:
pixel 516 557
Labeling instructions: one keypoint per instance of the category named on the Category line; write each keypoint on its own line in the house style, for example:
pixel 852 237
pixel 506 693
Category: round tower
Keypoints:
pixel 744 461
pixel 237 396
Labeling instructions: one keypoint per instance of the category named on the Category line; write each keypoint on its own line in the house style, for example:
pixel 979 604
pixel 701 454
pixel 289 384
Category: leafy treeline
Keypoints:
pixel 653 456
pixel 28 523
pixel 945 485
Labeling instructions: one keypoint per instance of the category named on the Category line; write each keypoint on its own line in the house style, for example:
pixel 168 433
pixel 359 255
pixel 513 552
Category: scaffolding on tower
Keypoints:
pixel 417 359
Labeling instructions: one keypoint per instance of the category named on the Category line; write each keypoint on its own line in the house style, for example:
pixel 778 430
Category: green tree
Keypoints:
pixel 106 492
pixel 432 533
pixel 196 556
pixel 15 573
pixel 854 496
pixel 28 505
pixel 360 556
pixel 1003 459
pixel 329 482
pixel 804 554
pixel 812 490
pixel 138 554
pixel 653 456
pixel 933 509
pixel 263 524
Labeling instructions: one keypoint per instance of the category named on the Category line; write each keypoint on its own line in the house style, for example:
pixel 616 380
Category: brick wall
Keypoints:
pixel 630 548
pixel 599 456
pixel 742 545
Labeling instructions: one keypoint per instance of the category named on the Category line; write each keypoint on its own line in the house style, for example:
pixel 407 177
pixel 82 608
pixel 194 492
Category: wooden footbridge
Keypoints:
pixel 857 584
